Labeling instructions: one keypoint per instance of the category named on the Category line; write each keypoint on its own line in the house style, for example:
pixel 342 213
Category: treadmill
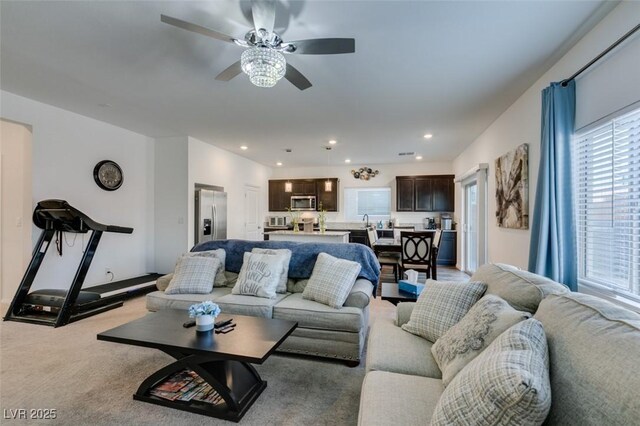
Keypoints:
pixel 60 307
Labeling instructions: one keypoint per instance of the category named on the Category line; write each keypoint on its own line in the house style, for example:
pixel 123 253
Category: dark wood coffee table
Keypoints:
pixel 222 360
pixel 393 294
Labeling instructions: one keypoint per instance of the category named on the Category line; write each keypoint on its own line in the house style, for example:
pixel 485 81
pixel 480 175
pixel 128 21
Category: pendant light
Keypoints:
pixel 328 185
pixel 288 187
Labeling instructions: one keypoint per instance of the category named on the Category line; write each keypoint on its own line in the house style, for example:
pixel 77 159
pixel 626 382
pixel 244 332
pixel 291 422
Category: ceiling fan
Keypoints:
pixel 263 59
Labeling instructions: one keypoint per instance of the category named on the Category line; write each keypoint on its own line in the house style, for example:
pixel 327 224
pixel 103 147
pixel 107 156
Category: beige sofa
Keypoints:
pixel 594 352
pixel 322 330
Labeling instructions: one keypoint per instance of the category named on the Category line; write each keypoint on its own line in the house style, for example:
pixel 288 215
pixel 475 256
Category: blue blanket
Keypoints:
pixel 303 255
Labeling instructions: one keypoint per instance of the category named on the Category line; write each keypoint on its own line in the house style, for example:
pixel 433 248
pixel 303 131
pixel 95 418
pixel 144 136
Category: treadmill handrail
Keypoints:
pixel 59 215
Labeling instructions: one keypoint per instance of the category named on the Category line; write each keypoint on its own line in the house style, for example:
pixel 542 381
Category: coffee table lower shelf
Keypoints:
pixel 238 384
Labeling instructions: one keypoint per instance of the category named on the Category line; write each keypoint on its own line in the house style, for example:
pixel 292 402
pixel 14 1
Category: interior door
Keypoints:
pixel 470 228
pixel 252 221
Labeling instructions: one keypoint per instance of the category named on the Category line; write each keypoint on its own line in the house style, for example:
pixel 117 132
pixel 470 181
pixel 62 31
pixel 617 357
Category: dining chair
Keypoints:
pixel 416 251
pixel 385 259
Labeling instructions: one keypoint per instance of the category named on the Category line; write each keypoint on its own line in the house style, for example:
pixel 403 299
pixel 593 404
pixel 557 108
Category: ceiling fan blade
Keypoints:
pixel 296 78
pixel 196 28
pixel 264 14
pixel 233 70
pixel 323 46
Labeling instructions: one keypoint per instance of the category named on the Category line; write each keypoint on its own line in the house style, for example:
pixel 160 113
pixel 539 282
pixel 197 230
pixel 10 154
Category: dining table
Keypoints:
pixel 393 245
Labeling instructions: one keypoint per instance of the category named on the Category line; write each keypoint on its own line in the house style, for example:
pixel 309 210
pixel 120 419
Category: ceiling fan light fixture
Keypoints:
pixel 263 65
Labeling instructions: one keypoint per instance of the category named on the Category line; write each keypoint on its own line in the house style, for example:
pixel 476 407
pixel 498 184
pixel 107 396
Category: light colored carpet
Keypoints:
pixel 92 382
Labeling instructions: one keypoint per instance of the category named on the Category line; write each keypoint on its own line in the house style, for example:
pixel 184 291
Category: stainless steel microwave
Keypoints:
pixel 300 203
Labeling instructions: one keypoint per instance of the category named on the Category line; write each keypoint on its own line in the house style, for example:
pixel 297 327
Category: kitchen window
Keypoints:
pixel 607 197
pixel 376 202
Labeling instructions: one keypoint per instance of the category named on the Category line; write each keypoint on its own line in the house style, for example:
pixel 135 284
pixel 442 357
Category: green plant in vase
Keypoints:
pixel 322 219
pixel 295 219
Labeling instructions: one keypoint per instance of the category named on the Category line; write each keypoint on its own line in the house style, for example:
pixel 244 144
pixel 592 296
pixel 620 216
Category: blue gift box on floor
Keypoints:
pixel 408 287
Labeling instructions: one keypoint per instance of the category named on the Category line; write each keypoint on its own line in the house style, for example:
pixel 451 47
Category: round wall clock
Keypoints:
pixel 108 175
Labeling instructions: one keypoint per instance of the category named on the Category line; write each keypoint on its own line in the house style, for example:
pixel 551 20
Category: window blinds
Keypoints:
pixel 607 168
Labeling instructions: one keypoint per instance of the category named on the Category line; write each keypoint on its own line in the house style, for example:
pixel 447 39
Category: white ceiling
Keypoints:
pixel 447 68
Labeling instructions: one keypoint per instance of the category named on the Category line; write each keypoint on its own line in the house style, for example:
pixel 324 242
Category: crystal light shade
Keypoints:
pixel 328 186
pixel 288 187
pixel 264 66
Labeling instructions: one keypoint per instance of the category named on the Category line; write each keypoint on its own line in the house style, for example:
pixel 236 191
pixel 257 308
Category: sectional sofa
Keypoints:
pixel 593 345
pixel 322 330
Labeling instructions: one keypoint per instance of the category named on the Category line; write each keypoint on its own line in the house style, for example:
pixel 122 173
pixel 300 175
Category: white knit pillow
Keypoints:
pixel 507 384
pixel 193 275
pixel 286 253
pixel 259 275
pixel 485 321
pixel 440 306
pixel 331 280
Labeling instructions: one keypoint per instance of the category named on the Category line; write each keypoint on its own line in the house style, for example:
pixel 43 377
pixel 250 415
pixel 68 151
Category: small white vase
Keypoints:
pixel 204 322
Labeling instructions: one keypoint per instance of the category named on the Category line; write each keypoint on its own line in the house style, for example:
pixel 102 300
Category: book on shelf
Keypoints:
pixel 186 385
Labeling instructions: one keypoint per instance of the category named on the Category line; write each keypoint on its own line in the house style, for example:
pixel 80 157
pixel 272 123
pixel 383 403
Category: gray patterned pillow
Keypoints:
pixel 193 275
pixel 485 321
pixel 440 306
pixel 331 280
pixel 259 275
pixel 282 284
pixel 507 384
pixel 220 280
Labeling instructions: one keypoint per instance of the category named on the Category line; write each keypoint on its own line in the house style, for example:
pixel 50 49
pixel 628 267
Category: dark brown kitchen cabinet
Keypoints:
pixel 447 255
pixel 442 189
pixel 358 236
pixel 304 187
pixel 429 193
pixel 279 200
pixel 328 199
pixel 405 194
pixel 423 194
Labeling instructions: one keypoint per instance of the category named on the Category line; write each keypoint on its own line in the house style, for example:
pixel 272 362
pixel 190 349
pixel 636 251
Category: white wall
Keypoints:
pixel 386 178
pixel 15 216
pixel 66 147
pixel 171 212
pixel 210 165
pixel 520 123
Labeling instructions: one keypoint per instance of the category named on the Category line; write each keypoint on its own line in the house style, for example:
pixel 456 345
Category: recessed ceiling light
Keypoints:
pixel 278 163
pixel 418 157
pixel 347 161
pixel 332 142
pixel 428 136
pixel 244 147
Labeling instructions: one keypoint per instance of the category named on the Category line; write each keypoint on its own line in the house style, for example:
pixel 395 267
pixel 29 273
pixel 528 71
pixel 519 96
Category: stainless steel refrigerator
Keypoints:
pixel 211 215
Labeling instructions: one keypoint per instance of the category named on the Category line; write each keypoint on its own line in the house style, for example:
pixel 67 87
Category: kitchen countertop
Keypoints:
pixel 302 233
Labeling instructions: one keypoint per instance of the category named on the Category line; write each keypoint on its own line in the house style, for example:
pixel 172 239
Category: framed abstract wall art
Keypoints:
pixel 512 189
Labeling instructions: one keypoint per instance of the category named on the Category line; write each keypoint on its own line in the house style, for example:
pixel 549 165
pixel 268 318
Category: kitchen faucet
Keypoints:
pixel 366 216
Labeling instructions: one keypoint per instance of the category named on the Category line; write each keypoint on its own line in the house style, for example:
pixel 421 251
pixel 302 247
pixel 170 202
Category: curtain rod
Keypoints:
pixel 600 56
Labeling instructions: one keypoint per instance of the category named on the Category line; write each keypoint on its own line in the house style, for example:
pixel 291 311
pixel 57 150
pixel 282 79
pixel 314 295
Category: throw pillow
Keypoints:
pixel 507 384
pixel 193 275
pixel 163 282
pixel 220 280
pixel 282 284
pixel 259 275
pixel 331 280
pixel 440 306
pixel 485 321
